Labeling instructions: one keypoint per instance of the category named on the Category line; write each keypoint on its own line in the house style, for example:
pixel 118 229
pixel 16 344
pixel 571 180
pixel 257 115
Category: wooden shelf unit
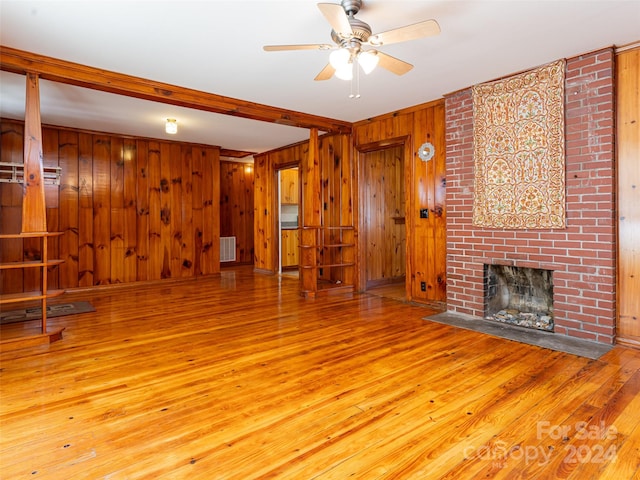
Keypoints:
pixel 43 264
pixel 338 244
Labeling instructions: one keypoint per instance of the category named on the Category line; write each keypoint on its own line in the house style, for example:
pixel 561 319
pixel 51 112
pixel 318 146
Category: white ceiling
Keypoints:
pixel 216 46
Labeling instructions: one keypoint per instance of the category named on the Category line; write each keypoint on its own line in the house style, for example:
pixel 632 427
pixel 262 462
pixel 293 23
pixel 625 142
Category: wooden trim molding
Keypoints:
pixel 21 62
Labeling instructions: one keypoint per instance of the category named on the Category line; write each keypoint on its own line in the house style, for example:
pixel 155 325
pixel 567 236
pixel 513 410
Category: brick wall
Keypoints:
pixel 582 256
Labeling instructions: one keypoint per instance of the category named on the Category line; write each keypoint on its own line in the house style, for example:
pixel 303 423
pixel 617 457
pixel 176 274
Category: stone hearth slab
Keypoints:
pixel 562 343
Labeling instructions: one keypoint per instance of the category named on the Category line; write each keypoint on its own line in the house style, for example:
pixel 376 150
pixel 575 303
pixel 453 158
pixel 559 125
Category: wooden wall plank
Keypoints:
pixel 246 252
pixel 207 214
pixel 86 257
pixel 197 180
pixel 155 213
pixel 211 213
pixel 628 136
pixel 188 245
pixel 165 209
pixel 347 199
pixel 439 258
pixel 116 211
pixel 246 248
pixel 263 220
pixel 50 151
pixel 176 210
pixel 130 158
pixel 214 155
pixel 227 179
pixel 143 189
pixel 68 152
pixel 102 209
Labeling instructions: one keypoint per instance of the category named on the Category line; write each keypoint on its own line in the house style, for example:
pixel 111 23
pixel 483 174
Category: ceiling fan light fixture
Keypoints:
pixel 340 58
pixel 368 60
pixel 345 72
pixel 171 126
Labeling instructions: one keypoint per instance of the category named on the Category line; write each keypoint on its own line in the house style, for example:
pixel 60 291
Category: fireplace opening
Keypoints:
pixel 519 296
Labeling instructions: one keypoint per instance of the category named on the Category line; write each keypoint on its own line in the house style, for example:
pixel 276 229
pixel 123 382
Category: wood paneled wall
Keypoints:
pixel 341 204
pixel 131 209
pixel 425 189
pixel 628 149
pixel 335 188
pixel 236 208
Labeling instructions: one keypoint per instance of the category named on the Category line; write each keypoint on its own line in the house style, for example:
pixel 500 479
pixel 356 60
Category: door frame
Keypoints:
pixel 361 152
pixel 278 206
pixel 278 172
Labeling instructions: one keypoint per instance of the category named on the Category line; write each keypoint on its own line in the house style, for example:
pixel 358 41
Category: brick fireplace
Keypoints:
pixel 581 257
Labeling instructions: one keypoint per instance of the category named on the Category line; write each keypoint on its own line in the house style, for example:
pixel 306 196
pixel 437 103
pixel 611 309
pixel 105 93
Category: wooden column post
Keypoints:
pixel 34 214
pixel 311 218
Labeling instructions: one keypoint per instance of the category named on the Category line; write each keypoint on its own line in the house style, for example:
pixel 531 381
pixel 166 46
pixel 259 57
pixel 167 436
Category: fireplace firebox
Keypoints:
pixel 519 296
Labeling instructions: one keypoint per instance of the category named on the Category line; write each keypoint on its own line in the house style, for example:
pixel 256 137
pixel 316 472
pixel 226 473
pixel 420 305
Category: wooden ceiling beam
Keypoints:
pixel 21 62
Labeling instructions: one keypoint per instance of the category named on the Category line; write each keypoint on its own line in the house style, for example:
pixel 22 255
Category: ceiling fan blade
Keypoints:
pixel 404 34
pixel 337 18
pixel 393 64
pixel 326 73
pixel 311 46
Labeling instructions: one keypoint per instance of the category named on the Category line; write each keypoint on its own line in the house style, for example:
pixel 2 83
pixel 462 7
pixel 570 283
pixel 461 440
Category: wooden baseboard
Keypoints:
pixel 17 343
pixel 628 342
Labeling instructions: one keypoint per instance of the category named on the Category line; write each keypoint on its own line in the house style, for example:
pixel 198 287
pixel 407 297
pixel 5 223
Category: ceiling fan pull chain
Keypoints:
pixel 355 92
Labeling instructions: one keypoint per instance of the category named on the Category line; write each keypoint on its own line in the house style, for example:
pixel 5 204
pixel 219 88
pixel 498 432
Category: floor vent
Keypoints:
pixel 227 249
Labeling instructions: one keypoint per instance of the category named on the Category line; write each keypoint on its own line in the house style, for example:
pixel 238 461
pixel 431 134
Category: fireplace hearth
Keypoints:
pixel 519 296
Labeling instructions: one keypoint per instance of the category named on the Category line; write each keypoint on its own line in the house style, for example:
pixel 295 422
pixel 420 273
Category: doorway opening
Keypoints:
pixel 288 214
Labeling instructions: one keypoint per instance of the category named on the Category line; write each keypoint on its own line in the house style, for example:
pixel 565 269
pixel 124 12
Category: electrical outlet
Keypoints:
pixel 423 286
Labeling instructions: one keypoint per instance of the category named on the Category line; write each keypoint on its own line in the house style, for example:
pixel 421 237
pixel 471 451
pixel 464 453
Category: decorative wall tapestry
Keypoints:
pixel 519 150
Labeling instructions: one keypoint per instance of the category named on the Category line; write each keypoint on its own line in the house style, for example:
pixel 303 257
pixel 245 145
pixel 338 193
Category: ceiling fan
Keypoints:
pixel 351 35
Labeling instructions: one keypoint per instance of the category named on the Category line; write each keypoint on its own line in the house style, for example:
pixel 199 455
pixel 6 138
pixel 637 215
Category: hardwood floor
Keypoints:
pixel 397 291
pixel 239 377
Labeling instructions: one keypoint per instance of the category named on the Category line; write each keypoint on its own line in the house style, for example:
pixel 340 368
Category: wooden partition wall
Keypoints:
pixel 425 186
pixel 335 192
pixel 130 209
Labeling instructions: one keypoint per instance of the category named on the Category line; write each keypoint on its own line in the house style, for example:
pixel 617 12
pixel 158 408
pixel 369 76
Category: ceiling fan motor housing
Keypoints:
pixel 361 32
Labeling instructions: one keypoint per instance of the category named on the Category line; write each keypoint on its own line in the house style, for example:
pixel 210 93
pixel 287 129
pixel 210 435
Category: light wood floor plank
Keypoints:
pixel 238 377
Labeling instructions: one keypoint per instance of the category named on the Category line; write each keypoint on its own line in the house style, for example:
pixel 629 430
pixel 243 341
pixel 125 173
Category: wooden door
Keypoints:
pixel 384 216
pixel 628 147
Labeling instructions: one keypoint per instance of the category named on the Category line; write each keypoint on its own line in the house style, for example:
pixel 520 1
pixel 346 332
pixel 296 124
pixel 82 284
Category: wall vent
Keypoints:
pixel 227 249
